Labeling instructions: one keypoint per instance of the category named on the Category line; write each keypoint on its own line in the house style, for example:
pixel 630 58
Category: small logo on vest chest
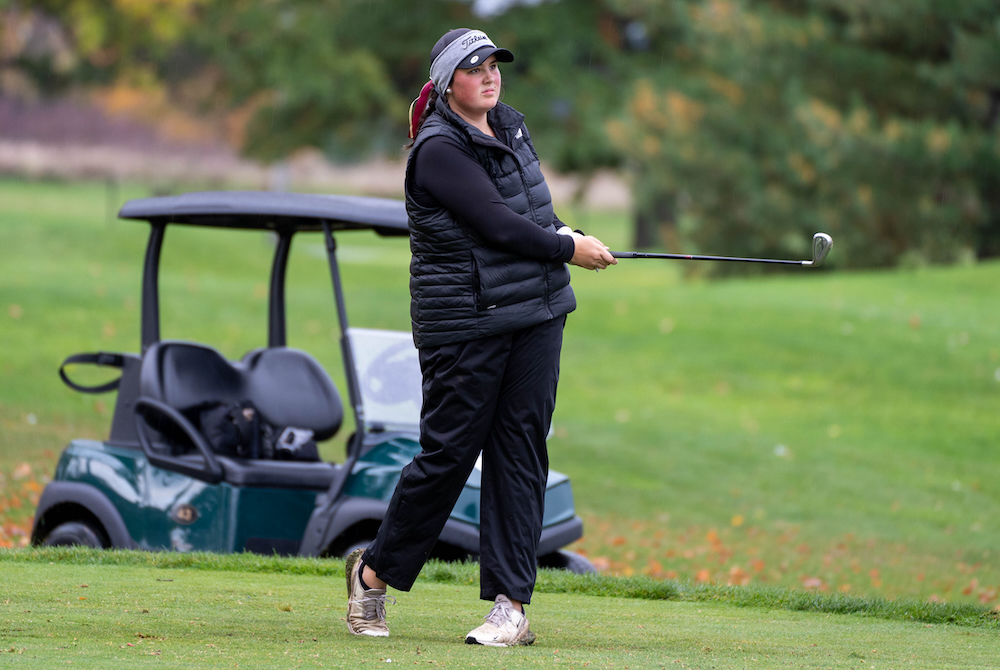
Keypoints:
pixel 519 134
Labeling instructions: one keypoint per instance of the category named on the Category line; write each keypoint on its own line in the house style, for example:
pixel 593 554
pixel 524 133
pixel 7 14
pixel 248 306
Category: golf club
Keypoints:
pixel 821 247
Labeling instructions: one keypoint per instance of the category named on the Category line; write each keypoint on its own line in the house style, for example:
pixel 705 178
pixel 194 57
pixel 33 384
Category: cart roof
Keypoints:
pixel 261 210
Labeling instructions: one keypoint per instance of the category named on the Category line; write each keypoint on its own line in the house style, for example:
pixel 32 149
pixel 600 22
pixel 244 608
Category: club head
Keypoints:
pixel 821 247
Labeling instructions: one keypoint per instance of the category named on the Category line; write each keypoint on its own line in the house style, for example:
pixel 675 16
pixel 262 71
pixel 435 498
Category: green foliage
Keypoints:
pixel 94 41
pixel 745 125
pixel 783 118
pixel 304 87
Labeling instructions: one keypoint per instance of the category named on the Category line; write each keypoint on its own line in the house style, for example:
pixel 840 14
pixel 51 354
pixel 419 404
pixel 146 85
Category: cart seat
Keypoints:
pixel 287 386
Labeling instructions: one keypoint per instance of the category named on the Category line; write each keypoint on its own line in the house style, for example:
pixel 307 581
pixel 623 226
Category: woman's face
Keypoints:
pixel 476 90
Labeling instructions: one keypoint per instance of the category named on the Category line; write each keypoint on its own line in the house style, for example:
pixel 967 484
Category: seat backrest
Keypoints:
pixel 290 388
pixel 287 386
pixel 185 375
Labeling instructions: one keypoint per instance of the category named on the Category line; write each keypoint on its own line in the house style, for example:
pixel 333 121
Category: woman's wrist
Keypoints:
pixel 566 230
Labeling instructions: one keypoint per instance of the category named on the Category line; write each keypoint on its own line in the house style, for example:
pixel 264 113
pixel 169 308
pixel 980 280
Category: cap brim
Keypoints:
pixel 479 55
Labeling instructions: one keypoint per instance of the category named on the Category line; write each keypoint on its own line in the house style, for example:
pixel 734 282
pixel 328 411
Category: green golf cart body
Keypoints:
pixel 159 482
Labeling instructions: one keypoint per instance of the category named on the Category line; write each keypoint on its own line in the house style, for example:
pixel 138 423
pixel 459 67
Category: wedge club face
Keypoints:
pixel 821 247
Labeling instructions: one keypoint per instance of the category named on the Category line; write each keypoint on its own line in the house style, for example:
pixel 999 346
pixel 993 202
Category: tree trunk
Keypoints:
pixel 655 223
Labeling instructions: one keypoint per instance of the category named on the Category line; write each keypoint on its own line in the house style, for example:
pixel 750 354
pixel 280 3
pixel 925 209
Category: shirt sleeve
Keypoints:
pixel 445 171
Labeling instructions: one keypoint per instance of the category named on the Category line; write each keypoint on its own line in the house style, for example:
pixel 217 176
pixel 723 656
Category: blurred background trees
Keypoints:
pixel 743 126
pixel 874 121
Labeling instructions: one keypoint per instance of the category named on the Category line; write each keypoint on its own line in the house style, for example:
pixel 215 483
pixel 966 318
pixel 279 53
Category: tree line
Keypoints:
pixel 743 126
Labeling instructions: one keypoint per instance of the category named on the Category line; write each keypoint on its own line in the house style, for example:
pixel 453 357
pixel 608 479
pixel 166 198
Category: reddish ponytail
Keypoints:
pixel 417 109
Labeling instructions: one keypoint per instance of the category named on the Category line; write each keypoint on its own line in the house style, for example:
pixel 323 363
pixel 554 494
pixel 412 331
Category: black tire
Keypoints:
pixel 75 533
pixel 567 560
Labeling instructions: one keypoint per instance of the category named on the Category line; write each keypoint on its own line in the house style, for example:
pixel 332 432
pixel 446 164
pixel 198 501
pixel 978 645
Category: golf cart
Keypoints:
pixel 208 454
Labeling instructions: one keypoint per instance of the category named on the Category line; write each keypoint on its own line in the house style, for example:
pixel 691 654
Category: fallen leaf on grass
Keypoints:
pixel 812 583
pixel 971 587
pixel 601 563
pixel 738 576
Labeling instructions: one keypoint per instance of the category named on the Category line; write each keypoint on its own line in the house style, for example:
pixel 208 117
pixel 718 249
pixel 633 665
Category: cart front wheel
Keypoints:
pixel 74 533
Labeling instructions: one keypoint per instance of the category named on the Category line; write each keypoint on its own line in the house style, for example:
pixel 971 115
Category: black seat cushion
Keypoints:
pixel 316 476
pixel 290 388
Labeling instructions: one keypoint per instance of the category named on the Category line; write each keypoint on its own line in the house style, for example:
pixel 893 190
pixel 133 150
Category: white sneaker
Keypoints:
pixel 505 627
pixel 365 608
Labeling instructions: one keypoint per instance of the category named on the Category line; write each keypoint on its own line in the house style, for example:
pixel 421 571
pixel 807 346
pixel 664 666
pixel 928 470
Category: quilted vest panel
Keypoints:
pixel 460 288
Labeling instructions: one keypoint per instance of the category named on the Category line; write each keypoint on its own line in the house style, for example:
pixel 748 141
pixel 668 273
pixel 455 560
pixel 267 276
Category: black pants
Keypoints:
pixel 495 395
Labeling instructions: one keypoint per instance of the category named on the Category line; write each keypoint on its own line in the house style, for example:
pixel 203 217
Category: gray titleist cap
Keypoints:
pixel 462 48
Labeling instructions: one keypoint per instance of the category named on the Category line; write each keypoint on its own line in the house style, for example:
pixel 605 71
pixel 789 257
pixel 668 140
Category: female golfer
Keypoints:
pixel 489 295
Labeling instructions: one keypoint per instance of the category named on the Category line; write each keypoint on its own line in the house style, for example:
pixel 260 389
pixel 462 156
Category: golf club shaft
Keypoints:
pixel 694 257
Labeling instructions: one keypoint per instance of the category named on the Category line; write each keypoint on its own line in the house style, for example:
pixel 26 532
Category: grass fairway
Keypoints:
pixel 69 610
pixel 830 432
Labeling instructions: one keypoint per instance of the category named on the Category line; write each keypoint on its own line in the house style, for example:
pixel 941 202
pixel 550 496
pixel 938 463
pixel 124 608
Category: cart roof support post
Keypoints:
pixel 353 388
pixel 276 333
pixel 150 285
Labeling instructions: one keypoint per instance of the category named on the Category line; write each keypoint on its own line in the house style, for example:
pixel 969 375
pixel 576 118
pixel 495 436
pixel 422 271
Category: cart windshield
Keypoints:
pixel 388 373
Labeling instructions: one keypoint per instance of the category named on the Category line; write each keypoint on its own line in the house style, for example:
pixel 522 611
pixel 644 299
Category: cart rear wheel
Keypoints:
pixel 74 533
pixel 567 560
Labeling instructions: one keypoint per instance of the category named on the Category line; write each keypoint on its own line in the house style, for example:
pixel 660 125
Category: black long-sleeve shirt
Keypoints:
pixel 446 173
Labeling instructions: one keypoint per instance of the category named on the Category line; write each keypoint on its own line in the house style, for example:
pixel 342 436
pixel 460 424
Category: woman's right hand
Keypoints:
pixel 590 253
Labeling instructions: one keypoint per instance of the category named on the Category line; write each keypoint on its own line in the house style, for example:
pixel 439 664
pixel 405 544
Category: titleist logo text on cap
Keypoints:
pixel 472 40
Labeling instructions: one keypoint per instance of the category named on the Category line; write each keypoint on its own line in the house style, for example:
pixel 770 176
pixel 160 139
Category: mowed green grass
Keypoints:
pixel 236 612
pixel 810 429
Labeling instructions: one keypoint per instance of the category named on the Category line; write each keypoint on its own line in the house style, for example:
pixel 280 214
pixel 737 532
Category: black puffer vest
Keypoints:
pixel 460 288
